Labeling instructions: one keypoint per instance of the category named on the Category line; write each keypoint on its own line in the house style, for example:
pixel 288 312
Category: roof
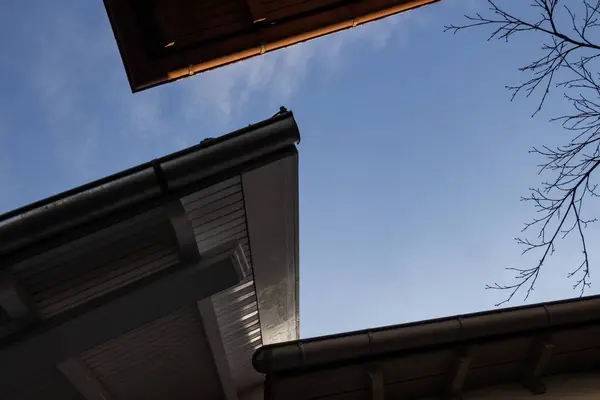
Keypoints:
pixel 158 281
pixel 439 357
pixel 161 41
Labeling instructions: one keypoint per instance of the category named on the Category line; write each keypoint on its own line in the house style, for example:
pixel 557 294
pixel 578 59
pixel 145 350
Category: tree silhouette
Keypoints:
pixel 568 64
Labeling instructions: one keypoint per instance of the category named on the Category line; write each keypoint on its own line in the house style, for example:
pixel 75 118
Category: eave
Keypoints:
pixel 447 357
pixel 173 246
pixel 162 41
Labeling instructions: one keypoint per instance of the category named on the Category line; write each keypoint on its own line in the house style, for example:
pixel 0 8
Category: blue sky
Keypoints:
pixel 412 159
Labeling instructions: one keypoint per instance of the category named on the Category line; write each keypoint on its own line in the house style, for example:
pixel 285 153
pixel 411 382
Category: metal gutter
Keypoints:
pixel 149 181
pixel 366 344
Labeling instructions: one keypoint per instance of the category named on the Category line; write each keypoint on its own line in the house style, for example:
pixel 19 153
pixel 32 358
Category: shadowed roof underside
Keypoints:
pixel 164 40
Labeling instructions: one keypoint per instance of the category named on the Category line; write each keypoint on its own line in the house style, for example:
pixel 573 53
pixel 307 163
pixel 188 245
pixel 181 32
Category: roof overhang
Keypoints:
pixel 161 41
pixel 175 270
pixel 442 357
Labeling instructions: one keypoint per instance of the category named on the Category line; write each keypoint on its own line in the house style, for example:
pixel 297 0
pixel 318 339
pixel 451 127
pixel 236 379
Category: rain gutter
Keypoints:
pixel 368 344
pixel 154 180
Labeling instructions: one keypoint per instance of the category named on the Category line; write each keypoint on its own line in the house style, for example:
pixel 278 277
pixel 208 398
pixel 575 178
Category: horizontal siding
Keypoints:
pixel 167 358
pixel 217 215
pixel 85 269
pixel 170 353
pixel 237 316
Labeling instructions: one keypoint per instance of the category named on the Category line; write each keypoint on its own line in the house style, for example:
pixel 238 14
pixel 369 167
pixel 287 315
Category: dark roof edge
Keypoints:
pixel 341 17
pixel 331 349
pixel 73 208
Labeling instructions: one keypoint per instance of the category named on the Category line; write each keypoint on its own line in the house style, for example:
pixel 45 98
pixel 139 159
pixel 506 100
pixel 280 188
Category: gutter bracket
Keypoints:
pixel 183 231
pixel 458 373
pixel 14 301
pixel 540 355
pixel 182 228
pixel 376 383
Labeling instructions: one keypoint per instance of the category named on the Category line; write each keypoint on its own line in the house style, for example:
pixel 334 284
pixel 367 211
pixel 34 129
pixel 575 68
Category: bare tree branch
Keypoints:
pixel 568 62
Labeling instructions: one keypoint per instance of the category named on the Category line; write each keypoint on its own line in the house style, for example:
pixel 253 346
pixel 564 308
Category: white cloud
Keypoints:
pixel 78 79
pixel 278 76
pixel 65 52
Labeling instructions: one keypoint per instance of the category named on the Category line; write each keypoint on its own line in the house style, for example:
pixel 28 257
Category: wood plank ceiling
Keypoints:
pixel 164 40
